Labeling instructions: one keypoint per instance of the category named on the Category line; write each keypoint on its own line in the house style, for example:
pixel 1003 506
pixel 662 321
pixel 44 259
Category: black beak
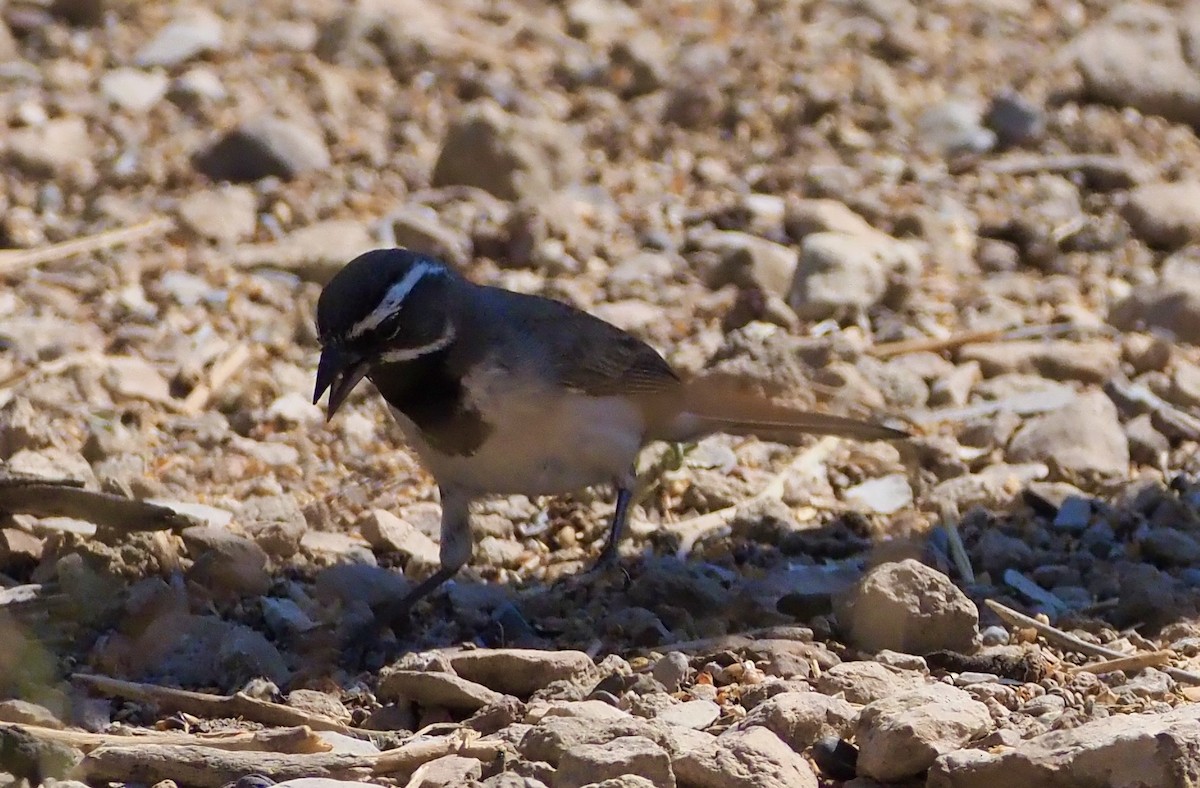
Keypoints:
pixel 339 372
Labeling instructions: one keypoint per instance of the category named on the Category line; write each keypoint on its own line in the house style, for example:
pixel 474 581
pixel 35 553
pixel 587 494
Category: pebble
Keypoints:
pixel 750 262
pixel 52 148
pixel 1014 120
pixel 753 758
pixel 954 128
pixel 908 607
pixel 446 771
pixel 189 35
pixel 1121 750
pixel 512 158
pixel 671 670
pixel 387 533
pixel 433 689
pixel 899 737
pixel 1134 57
pixel 133 89
pixel 694 714
pixel 1165 215
pixel 1080 441
pixel 1172 304
pixel 884 495
pixel 839 272
pixel 224 215
pixel 864 682
pixel 263 147
pixel 519 671
pixel 591 763
pixel 227 564
pixel 801 719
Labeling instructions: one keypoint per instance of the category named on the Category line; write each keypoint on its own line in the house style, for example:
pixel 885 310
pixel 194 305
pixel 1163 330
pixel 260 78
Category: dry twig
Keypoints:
pixel 407 758
pixel 208 767
pixel 218 375
pixel 295 740
pixel 1149 659
pixel 65 498
pixel 203 704
pixel 18 259
pixel 1069 641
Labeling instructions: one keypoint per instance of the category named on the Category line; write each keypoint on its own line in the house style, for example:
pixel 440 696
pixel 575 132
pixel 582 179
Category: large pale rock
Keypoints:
pixel 1082 440
pixel 520 671
pixel 909 607
pixel 901 736
pixel 802 718
pixel 754 758
pixel 1121 751
pixel 430 688
pixel 590 763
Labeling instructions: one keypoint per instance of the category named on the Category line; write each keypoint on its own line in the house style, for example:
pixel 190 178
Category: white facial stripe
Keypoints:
pixel 392 299
pixel 409 353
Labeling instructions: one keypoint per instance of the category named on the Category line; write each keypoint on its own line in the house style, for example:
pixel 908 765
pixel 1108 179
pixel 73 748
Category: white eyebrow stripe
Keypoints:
pixel 410 353
pixel 392 299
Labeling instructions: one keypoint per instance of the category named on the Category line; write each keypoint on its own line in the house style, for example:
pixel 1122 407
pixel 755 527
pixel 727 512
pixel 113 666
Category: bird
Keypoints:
pixel 501 393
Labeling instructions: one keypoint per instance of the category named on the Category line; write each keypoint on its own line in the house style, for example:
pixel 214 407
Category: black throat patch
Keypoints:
pixel 432 396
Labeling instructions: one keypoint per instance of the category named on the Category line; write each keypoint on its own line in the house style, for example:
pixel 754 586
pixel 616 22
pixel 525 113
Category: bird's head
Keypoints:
pixel 384 306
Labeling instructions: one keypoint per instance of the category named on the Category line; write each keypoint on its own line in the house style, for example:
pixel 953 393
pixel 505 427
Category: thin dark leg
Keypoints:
pixel 608 556
pixel 394 613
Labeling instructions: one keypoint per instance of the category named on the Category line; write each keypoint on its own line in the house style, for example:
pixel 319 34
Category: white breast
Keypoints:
pixel 542 442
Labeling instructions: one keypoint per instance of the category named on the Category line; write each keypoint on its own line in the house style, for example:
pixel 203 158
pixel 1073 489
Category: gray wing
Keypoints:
pixel 591 356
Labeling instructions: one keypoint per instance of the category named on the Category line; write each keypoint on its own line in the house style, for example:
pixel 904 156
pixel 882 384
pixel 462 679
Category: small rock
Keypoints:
pixel 750 262
pixel 263 147
pixel 1146 444
pixel 802 718
pixel 80 12
pixel 189 35
pixel 868 681
pixel 27 713
pixel 51 464
pixel 321 703
pixel 753 758
pixel 227 564
pixel 285 617
pixel 133 89
pixel 52 148
pixel 197 86
pixel 1165 546
pixel 1135 57
pixel 1014 120
pixel 638 63
pixel 132 378
pixel 1185 385
pixel 694 714
pixel 353 583
pixel 20 551
pixel 509 157
pixel 807 216
pixel 418 228
pixel 671 670
pixel 448 771
pixel 1173 304
pixel 315 252
pixel 590 763
pixel 519 671
pixel 600 21
pixel 205 651
pixel 432 689
pixel 1165 215
pixel 223 215
pixel 1121 751
pixel 337 547
pixel 1089 362
pixel 838 273
pixel 909 607
pixel 885 495
pixel 387 533
pixel 953 128
pixel 1082 440
pixel 836 758
pixel 901 736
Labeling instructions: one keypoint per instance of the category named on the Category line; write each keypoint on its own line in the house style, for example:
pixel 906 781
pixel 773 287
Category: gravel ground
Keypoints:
pixel 981 218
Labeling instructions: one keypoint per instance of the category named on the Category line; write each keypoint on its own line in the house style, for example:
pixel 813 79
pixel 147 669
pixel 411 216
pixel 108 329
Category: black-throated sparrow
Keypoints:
pixel 501 392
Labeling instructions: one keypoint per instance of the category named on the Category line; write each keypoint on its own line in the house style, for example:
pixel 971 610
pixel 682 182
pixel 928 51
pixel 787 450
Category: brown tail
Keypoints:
pixel 718 403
